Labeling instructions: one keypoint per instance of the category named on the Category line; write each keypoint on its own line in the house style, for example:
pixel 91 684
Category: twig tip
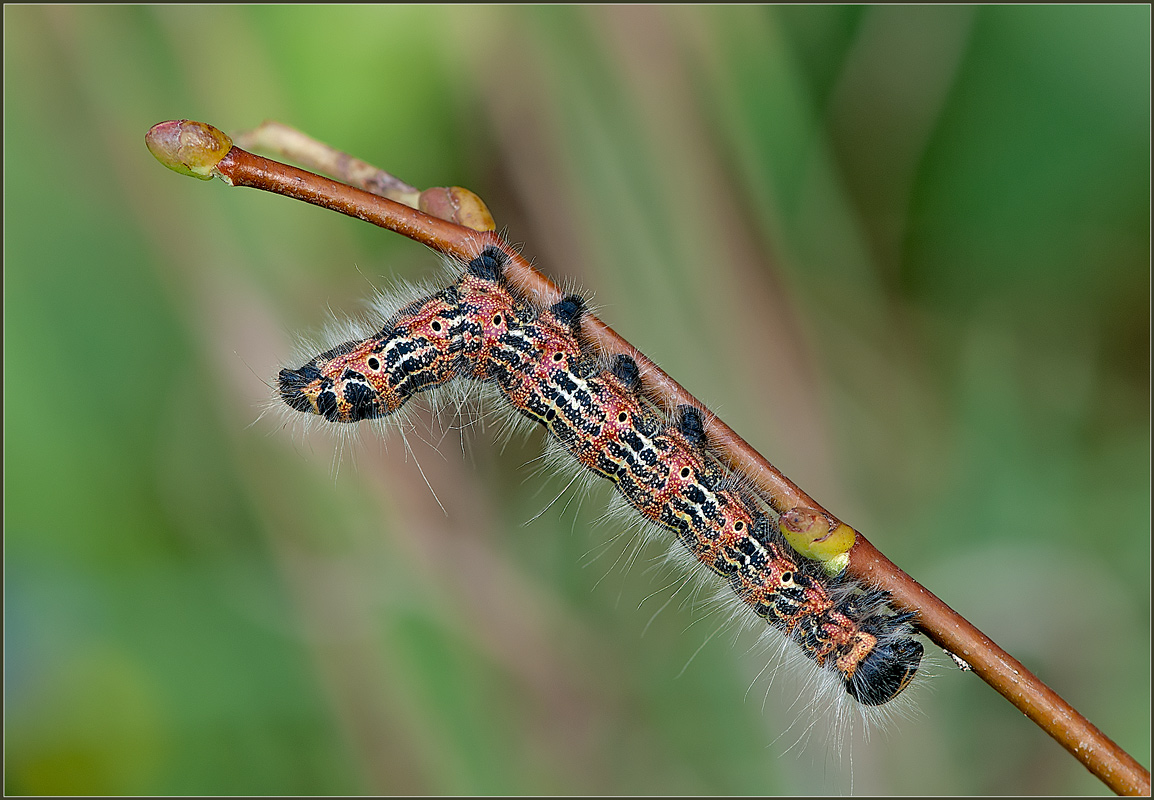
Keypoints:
pixel 188 147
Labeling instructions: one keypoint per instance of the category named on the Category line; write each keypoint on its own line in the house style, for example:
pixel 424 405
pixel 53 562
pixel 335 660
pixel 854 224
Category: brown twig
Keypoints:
pixel 287 142
pixel 199 150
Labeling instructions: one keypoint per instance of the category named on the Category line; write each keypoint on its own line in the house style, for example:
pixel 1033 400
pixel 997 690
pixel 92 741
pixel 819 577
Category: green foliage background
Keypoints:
pixel 904 251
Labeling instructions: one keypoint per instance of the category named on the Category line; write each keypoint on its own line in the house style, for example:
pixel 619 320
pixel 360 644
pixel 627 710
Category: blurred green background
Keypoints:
pixel 903 250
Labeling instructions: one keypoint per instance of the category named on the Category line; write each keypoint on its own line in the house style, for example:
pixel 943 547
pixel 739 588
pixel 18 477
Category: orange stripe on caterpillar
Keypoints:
pixel 479 328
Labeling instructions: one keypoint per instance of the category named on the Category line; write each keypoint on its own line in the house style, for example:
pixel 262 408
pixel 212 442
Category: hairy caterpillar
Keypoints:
pixel 480 328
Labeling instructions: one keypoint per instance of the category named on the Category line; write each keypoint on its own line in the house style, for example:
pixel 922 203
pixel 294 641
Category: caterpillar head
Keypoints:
pixel 332 386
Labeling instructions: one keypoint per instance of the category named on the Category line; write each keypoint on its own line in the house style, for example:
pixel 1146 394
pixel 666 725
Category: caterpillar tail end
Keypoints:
pixel 885 672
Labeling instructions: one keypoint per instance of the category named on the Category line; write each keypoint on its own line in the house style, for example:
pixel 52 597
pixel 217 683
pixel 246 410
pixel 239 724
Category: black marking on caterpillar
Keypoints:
pixel 691 425
pixel 568 311
pixel 490 265
pixel 625 370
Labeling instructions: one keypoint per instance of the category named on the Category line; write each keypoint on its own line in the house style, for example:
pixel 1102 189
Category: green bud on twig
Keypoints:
pixel 187 147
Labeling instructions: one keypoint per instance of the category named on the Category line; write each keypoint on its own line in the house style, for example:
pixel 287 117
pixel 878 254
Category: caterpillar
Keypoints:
pixel 480 328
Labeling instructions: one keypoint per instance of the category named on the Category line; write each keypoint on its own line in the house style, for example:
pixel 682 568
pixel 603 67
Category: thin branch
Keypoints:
pixel 451 203
pixel 286 142
pixel 200 150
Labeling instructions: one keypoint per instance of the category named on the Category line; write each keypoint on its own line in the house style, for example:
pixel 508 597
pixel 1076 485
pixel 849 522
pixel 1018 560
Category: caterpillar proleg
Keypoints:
pixel 479 328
